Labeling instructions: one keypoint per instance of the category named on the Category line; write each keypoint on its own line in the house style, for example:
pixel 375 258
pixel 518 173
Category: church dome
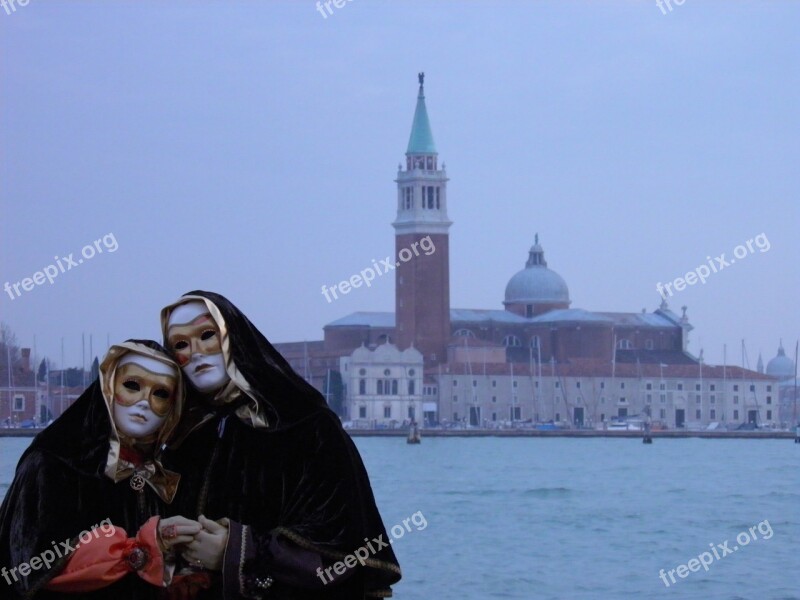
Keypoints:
pixel 781 366
pixel 536 284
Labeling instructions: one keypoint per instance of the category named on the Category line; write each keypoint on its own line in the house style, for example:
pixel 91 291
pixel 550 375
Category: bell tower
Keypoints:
pixel 422 281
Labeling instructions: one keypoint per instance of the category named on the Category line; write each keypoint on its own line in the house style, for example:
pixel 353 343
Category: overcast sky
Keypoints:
pixel 250 148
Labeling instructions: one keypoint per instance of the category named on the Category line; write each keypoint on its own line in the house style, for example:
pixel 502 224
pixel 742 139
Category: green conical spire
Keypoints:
pixel 421 140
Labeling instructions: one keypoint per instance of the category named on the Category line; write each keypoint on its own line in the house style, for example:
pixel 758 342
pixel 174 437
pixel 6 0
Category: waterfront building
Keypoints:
pixel 536 359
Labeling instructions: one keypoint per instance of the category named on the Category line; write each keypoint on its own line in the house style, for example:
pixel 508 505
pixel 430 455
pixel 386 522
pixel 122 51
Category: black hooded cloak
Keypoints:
pixel 61 489
pixel 267 453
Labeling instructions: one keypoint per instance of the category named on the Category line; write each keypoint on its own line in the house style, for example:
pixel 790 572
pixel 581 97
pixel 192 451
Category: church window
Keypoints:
pixel 362 386
pixel 387 412
pixel 512 341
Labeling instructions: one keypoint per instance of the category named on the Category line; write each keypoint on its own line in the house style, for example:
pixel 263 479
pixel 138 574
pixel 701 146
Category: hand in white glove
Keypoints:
pixel 208 546
pixel 176 530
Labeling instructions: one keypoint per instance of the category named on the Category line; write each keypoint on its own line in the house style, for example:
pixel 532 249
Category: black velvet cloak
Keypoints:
pixel 268 454
pixel 61 489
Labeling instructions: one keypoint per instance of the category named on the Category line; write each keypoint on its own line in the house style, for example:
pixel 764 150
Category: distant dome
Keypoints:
pixel 781 366
pixel 536 283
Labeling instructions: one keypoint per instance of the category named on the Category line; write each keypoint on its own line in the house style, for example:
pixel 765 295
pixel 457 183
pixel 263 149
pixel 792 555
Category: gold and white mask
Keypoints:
pixel 145 392
pixel 194 338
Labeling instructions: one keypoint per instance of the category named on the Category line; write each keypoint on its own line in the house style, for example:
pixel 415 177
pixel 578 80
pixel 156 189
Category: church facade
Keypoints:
pixel 537 359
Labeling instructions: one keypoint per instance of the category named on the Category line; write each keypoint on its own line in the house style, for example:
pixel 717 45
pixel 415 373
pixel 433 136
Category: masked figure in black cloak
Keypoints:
pixel 260 452
pixel 93 478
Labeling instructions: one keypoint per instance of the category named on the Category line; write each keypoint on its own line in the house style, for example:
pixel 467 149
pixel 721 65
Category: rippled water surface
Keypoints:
pixel 581 518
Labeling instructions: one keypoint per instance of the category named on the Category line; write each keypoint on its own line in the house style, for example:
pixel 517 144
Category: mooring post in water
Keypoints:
pixel 647 439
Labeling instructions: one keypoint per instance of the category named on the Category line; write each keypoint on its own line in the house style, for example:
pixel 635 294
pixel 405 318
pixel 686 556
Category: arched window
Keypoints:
pixel 535 342
pixel 512 341
pixel 362 386
pixel 624 345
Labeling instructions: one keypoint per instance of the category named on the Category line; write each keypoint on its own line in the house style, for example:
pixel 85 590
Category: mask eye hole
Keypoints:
pixel 162 393
pixel 180 345
pixel 207 334
pixel 132 385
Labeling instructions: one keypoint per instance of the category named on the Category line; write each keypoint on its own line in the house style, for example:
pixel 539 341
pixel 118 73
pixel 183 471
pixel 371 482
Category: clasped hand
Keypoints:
pixel 201 543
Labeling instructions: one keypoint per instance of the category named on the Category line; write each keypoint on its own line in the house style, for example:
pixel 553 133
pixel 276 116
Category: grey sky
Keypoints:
pixel 250 148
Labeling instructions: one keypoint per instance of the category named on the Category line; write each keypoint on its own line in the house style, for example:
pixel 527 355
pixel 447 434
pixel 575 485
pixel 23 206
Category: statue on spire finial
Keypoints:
pixel 421 77
pixel 536 239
